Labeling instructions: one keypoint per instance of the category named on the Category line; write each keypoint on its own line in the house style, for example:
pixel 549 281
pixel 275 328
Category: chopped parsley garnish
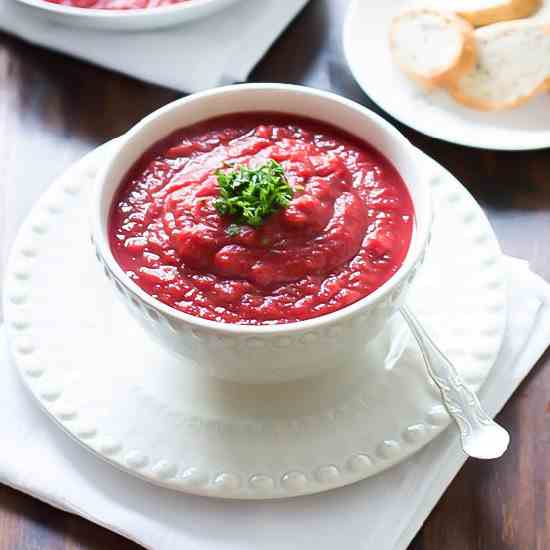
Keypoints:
pixel 249 196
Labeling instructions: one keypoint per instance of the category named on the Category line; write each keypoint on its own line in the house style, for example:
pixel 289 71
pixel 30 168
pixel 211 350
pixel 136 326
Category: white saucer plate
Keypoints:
pixel 115 391
pixel 127 20
pixel 436 114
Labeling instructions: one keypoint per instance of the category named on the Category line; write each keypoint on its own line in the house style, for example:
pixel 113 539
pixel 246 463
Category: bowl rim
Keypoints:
pixel 137 13
pixel 417 247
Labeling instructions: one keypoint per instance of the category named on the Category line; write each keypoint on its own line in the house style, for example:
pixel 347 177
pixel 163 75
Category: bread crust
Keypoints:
pixel 480 105
pixel 466 60
pixel 463 61
pixel 510 10
pixel 486 105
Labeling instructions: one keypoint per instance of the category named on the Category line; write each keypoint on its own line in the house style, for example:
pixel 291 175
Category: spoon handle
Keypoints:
pixel 481 437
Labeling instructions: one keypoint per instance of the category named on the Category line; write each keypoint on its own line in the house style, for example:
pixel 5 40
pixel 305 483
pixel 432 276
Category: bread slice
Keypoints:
pixel 513 65
pixel 487 12
pixel 432 47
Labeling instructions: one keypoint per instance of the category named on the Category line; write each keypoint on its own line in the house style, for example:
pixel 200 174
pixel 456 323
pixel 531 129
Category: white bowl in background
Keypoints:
pixel 127 20
pixel 275 353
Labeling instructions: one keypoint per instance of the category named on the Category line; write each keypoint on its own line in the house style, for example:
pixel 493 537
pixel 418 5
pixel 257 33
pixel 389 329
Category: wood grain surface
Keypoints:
pixel 53 109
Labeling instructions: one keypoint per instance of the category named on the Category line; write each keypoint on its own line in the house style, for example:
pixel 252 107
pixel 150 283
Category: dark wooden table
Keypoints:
pixel 53 109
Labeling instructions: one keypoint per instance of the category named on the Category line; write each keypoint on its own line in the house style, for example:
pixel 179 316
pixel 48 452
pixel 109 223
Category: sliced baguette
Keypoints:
pixel 513 65
pixel 487 12
pixel 432 47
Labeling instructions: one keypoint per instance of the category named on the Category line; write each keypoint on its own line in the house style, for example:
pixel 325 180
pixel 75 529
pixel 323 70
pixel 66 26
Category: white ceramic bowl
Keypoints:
pixel 127 20
pixel 258 354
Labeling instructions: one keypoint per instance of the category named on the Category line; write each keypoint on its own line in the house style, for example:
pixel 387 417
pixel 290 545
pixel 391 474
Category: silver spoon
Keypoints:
pixel 481 436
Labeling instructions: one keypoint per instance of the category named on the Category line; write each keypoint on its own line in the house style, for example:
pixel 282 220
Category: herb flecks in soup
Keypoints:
pixel 261 218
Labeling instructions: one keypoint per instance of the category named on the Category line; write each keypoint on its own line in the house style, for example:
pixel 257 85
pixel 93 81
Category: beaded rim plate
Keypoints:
pixel 102 380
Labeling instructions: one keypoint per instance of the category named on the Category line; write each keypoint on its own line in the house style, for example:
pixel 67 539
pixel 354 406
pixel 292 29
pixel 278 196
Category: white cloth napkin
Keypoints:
pixel 220 49
pixel 380 513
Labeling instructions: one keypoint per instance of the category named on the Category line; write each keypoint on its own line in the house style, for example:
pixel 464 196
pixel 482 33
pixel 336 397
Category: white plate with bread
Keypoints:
pixel 472 72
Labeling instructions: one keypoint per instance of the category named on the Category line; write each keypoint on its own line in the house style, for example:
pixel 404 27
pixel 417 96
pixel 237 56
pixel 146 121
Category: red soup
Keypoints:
pixel 116 4
pixel 345 231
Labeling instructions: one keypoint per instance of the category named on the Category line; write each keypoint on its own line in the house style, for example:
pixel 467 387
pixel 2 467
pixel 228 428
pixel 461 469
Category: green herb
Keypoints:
pixel 233 230
pixel 249 196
